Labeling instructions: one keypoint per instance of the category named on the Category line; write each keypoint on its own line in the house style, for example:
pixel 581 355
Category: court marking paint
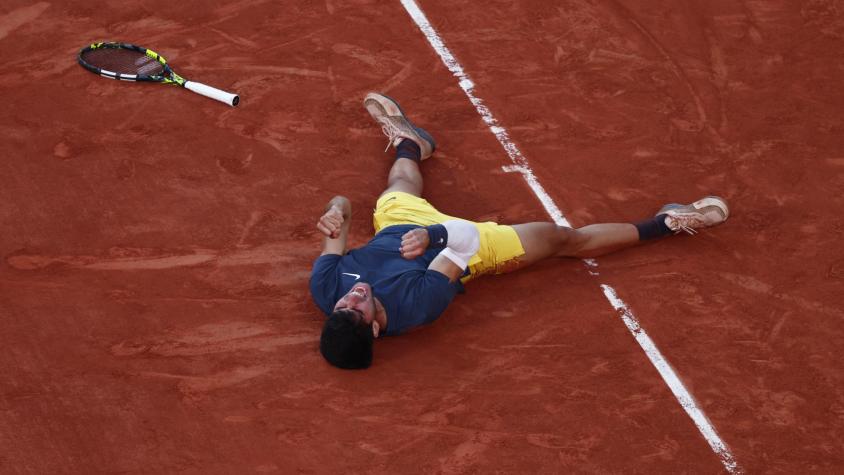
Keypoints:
pixel 520 165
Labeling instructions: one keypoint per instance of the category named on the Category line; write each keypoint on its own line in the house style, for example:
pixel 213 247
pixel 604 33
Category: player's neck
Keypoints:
pixel 380 314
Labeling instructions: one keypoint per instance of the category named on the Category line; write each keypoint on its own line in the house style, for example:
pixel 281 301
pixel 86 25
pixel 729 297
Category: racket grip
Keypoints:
pixel 213 93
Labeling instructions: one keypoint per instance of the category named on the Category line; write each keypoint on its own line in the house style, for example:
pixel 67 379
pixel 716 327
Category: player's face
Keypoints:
pixel 359 299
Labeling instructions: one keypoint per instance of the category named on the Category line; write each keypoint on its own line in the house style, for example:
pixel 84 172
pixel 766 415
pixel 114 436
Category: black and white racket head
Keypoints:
pixel 125 62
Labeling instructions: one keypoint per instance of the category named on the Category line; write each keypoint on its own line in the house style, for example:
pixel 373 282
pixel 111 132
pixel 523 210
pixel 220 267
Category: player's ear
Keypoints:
pixel 376 328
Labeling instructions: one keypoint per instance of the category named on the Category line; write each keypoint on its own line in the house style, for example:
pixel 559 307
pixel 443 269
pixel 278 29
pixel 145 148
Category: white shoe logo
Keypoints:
pixel 356 276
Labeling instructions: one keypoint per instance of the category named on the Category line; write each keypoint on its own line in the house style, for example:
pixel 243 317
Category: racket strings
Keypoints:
pixel 123 61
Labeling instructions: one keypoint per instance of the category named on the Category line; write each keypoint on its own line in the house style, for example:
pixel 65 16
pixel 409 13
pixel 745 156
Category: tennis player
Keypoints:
pixel 419 259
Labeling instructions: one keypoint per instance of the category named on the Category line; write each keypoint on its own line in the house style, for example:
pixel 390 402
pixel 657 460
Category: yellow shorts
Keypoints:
pixel 500 245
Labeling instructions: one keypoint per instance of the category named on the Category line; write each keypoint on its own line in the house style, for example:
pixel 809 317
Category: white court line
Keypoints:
pixel 520 165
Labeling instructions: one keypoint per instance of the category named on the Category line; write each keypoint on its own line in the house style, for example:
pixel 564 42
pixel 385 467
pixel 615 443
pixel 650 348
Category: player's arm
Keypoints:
pixel 334 225
pixel 447 267
pixel 459 239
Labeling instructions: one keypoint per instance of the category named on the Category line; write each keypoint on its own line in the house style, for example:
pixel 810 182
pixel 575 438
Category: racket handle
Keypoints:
pixel 213 93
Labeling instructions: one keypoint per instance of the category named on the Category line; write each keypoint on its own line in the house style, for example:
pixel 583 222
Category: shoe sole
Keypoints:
pixel 707 201
pixel 379 105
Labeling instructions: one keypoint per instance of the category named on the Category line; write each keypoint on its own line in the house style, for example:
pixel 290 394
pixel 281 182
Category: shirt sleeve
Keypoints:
pixel 323 282
pixel 427 300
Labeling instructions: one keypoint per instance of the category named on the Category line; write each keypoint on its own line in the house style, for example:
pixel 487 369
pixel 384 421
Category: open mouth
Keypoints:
pixel 360 291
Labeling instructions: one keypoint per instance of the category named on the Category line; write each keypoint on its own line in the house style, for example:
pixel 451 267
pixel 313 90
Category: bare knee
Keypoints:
pixel 398 174
pixel 568 242
pixel 541 240
pixel 544 240
pixel 400 180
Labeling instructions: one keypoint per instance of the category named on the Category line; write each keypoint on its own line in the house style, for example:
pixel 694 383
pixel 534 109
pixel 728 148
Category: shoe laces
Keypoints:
pixel 390 130
pixel 684 222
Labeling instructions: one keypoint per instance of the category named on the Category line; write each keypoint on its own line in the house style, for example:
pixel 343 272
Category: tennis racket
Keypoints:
pixel 126 62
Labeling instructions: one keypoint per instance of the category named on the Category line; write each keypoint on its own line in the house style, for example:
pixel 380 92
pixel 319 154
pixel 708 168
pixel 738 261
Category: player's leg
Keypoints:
pixel 405 176
pixel 413 144
pixel 543 240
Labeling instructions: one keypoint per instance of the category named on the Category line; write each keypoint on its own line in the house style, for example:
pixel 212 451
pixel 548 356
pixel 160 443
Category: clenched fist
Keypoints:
pixel 330 222
pixel 414 243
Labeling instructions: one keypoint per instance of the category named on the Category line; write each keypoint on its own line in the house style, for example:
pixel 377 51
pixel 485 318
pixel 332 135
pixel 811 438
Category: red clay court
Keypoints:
pixel 156 245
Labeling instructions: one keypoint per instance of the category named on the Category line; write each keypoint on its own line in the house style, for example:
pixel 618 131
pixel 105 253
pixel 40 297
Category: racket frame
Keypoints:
pixel 167 76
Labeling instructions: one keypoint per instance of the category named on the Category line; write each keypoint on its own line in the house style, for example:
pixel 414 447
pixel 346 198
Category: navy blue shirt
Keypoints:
pixel 411 294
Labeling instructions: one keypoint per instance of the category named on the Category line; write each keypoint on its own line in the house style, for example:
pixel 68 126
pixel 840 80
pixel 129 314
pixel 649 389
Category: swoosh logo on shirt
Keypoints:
pixel 356 276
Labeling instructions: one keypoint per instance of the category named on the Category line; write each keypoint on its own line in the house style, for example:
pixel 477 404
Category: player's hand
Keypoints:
pixel 414 243
pixel 331 222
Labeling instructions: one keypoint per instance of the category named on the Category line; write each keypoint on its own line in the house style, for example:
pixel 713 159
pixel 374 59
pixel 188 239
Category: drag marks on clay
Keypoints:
pixel 779 408
pixel 476 441
pixel 375 450
pixel 237 40
pixel 131 259
pixel 365 56
pixel 665 449
pixel 40 66
pixel 675 68
pixel 764 13
pixel 282 129
pixel 572 450
pixel 404 73
pixel 253 70
pixel 30 262
pixel 748 282
pixel 37 262
pixel 755 285
pixel 231 9
pixel 719 76
pixel 378 64
pixel 777 328
pixel 153 27
pixel 273 129
pixel 255 217
pixel 279 253
pixel 213 339
pixel 190 386
pixel 20 17
pixel 313 34
pixel 628 194
pixel 242 338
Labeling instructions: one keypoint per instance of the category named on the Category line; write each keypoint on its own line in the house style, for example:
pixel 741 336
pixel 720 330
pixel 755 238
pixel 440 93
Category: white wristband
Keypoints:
pixel 459 260
pixel 463 242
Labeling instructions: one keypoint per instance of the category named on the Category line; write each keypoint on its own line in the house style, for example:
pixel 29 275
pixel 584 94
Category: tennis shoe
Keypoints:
pixel 703 213
pixel 396 125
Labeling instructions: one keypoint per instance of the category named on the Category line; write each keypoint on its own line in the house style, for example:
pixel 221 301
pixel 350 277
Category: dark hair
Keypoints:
pixel 346 340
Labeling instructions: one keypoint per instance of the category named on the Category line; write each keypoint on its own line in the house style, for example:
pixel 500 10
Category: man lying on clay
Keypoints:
pixel 420 258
